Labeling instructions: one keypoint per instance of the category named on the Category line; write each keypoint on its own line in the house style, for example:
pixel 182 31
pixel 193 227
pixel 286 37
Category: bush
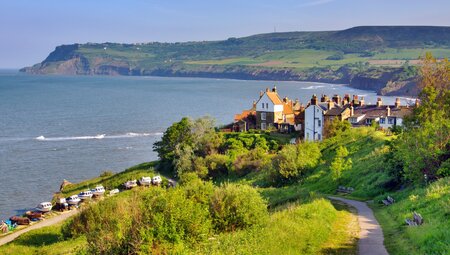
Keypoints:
pixel 235 207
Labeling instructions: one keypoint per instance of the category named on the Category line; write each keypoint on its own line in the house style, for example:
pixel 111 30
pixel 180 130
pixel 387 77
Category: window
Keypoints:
pixel 263 105
pixel 391 120
pixel 368 121
pixel 263 126
pixel 319 123
pixel 382 120
pixel 267 105
pixel 263 116
pixel 319 136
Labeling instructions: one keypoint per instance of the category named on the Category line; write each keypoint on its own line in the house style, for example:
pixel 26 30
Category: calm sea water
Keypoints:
pixel 65 127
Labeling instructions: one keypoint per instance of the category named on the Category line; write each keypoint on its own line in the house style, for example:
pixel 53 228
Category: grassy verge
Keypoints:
pixel 46 240
pixel 433 203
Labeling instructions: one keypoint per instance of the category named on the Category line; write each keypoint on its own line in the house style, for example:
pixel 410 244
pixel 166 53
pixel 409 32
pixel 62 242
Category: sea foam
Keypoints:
pixel 97 137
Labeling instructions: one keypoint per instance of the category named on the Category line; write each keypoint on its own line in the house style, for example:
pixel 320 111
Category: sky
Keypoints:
pixel 31 29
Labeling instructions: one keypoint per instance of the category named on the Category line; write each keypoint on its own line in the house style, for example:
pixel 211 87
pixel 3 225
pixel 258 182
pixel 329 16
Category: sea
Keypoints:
pixel 75 127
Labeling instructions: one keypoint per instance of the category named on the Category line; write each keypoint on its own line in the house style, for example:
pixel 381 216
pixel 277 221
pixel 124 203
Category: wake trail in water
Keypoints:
pixel 97 137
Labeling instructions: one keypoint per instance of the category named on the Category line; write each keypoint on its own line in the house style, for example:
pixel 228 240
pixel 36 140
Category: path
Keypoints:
pixel 370 234
pixel 48 222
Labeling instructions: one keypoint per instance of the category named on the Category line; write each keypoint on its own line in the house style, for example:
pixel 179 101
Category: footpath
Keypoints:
pixel 370 235
pixel 45 223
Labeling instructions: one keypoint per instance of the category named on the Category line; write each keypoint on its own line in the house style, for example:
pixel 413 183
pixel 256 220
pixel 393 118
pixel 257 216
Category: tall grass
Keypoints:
pixel 294 229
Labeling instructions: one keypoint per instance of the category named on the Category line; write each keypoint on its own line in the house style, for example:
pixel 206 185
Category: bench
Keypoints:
pixel 417 220
pixel 388 201
pixel 343 189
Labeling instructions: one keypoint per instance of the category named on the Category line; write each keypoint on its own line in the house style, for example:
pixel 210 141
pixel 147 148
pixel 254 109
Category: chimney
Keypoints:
pixel 286 100
pixel 397 102
pixel 330 104
pixel 267 90
pixel 379 102
pixel 254 105
pixel 362 102
pixel 352 111
pixel 314 100
pixel 346 99
pixel 355 100
pixel 337 99
pixel 417 103
pixel 324 98
pixel 388 111
pixel 261 93
pixel 274 89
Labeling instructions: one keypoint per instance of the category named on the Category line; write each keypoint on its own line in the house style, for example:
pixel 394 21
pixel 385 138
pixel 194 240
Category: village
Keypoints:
pixel 312 121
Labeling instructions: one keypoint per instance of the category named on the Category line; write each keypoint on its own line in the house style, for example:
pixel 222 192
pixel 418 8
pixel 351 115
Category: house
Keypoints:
pixel 387 116
pixel 319 115
pixel 245 121
pixel 269 110
pixel 293 116
pixel 314 115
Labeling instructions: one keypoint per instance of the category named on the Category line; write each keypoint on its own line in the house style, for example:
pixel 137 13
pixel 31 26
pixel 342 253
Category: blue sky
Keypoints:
pixel 30 29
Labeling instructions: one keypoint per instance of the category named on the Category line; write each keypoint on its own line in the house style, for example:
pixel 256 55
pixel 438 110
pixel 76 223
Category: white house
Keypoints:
pixel 314 120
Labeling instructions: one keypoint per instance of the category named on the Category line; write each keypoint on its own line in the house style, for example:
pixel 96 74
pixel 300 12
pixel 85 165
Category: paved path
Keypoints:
pixel 370 234
pixel 48 222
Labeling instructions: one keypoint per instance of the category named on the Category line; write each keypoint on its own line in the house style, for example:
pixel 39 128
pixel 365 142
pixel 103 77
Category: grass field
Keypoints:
pixel 308 58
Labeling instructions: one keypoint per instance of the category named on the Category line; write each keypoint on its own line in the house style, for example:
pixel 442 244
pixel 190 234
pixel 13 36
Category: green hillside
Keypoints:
pixel 345 56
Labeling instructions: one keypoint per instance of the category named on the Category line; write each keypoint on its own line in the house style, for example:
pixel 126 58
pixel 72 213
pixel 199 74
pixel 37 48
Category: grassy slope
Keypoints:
pixel 367 176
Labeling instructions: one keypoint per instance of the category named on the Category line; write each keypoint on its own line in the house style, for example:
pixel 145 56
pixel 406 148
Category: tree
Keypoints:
pixel 424 144
pixel 293 160
pixel 178 133
pixel 340 163
pixel 336 127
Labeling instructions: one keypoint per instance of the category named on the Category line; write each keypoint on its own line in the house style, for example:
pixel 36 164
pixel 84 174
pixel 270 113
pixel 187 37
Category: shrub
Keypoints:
pixel 235 207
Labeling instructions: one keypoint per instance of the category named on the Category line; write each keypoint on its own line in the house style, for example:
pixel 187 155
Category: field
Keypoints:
pixel 309 58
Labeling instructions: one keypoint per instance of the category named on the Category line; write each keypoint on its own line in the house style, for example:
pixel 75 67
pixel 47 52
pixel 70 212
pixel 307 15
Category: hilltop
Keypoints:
pixel 380 58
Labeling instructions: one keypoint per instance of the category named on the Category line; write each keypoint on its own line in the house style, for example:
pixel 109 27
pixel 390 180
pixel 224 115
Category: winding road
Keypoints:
pixel 370 235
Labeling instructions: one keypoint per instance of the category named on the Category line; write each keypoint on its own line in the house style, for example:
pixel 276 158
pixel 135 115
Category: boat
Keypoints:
pixel 145 181
pixel 113 192
pixel 130 184
pixel 73 200
pixel 85 195
pixel 44 207
pixel 157 180
pixel 98 191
